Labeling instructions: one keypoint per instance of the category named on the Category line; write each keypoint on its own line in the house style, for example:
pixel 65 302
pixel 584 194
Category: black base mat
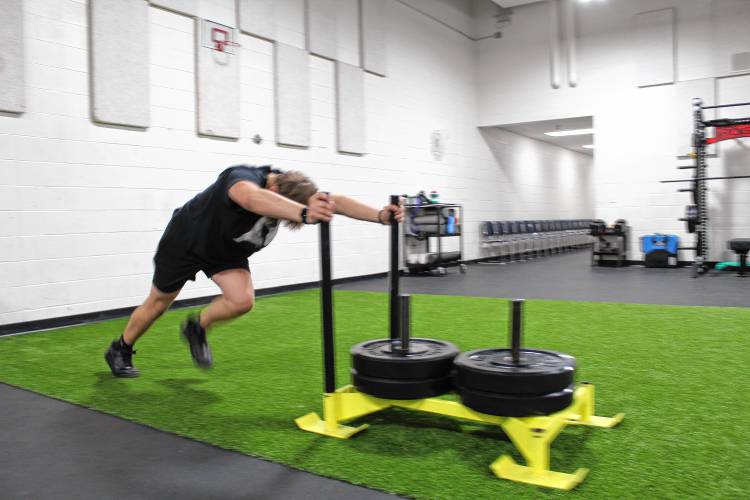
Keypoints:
pixel 54 450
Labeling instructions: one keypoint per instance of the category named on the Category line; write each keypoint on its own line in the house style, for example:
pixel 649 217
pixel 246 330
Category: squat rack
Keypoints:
pixel 532 436
pixel 726 129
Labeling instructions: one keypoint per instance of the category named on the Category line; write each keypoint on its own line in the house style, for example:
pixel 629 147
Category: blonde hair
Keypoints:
pixel 295 186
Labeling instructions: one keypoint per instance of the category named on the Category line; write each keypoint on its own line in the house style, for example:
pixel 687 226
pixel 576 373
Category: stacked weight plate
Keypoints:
pixel 401 367
pixel 515 382
pixel 383 369
pixel 489 381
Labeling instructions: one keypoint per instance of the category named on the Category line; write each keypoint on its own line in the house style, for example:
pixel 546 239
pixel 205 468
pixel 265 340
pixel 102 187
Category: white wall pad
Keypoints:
pixel 373 36
pixel 218 80
pixel 731 43
pixel 655 47
pixel 256 17
pixel 289 20
pixel 347 32
pixel 119 34
pixel 350 108
pixel 321 28
pixel 292 87
pixel 731 90
pixel 187 7
pixel 219 11
pixel 12 98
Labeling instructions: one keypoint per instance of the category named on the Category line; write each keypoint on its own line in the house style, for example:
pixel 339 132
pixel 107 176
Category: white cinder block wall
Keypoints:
pixel 82 205
pixel 639 131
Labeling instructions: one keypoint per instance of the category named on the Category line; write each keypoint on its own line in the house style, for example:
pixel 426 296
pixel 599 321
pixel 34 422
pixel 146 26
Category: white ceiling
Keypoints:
pixel 536 130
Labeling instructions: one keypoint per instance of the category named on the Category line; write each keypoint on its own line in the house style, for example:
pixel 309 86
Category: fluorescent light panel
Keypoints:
pixel 566 133
pixel 588 146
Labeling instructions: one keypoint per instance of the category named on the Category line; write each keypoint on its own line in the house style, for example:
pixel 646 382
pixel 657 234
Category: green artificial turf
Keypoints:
pixel 679 374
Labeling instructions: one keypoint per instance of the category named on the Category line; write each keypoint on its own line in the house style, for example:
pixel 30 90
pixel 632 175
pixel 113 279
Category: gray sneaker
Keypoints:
pixel 120 360
pixel 195 336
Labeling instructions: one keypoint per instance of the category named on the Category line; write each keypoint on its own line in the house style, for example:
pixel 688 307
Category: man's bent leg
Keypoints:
pixel 237 297
pixel 144 315
pixel 119 356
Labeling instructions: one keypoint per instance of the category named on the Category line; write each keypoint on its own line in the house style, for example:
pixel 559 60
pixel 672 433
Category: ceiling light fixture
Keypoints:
pixel 588 146
pixel 566 133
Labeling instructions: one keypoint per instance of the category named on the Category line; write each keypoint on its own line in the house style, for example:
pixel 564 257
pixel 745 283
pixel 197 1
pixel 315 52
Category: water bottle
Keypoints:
pixel 451 225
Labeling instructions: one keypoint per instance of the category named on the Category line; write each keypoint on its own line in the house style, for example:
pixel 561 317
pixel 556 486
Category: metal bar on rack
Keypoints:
pixel 439 235
pixel 393 275
pixel 516 329
pixel 726 122
pixel 727 105
pixel 405 310
pixel 461 233
pixel 700 195
pixel 706 179
pixel 326 297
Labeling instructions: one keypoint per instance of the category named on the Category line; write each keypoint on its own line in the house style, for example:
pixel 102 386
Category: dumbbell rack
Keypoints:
pixel 531 435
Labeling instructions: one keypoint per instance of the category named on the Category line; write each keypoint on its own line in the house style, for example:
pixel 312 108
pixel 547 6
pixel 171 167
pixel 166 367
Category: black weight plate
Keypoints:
pixel 492 370
pixel 382 358
pixel 401 389
pixel 516 405
pixel 691 217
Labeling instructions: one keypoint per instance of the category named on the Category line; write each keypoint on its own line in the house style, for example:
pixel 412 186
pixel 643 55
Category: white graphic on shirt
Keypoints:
pixel 266 226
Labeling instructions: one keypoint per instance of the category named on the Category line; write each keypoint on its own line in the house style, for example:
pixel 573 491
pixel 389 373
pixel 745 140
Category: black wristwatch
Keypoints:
pixel 303 215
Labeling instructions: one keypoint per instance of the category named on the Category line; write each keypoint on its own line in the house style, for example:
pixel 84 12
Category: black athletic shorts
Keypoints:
pixel 174 265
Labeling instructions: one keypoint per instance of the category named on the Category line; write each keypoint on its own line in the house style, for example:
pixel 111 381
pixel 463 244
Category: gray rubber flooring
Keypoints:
pixel 571 277
pixel 50 449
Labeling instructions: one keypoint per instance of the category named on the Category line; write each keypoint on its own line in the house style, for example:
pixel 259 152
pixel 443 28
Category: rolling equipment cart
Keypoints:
pixel 432 237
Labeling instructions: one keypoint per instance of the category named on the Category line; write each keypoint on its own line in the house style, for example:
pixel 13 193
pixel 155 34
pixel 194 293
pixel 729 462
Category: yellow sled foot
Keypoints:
pixel 506 468
pixel 595 421
pixel 313 423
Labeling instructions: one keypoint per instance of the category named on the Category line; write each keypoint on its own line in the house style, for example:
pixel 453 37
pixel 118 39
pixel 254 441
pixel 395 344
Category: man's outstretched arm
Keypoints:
pixel 358 210
pixel 265 202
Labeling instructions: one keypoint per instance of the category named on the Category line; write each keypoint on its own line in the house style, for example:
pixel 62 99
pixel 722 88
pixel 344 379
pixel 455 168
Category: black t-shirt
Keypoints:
pixel 215 229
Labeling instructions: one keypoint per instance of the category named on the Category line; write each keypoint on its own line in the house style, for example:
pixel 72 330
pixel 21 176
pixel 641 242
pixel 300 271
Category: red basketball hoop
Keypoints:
pixel 220 38
pixel 221 44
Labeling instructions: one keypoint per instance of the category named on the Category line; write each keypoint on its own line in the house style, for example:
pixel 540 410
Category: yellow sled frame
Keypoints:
pixel 532 436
